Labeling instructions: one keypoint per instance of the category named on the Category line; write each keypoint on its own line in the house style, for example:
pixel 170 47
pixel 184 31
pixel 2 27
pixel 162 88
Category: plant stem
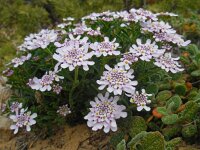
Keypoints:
pixel 49 51
pixel 103 62
pixel 76 75
pixel 74 85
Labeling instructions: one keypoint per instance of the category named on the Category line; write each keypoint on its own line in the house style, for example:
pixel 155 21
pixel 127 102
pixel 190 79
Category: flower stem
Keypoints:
pixel 74 85
pixel 76 75
pixel 103 62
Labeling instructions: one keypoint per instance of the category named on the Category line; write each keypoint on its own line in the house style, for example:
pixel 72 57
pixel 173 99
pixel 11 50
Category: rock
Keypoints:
pixel 5 93
pixel 6 133
pixel 3 81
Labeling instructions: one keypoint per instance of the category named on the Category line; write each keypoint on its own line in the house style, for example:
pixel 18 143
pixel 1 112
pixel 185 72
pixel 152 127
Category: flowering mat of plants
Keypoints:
pixel 129 75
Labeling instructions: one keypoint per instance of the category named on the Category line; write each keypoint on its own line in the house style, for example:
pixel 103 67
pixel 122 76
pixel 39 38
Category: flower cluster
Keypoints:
pixel 46 82
pixel 127 60
pixel 146 51
pixel 8 72
pixel 105 48
pixel 104 113
pixel 73 53
pixel 168 63
pixel 21 117
pixel 117 79
pixel 20 61
pixel 64 110
pixel 163 32
pixel 141 100
pixel 122 39
pixel 39 40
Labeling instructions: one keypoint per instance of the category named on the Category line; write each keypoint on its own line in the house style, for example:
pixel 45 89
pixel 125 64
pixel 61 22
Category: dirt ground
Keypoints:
pixel 79 137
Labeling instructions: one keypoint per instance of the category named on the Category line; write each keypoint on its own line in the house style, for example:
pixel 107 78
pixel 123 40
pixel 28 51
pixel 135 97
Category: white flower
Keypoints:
pixel 146 51
pixel 105 48
pixel 168 63
pixel 21 119
pixel 46 82
pixel 73 53
pixel 164 32
pixel 39 40
pixel 57 88
pixel 143 15
pixel 158 27
pixel 140 100
pixel 64 110
pixel 117 80
pixel 63 25
pixel 127 60
pixel 15 106
pixel 104 113
pixel 20 61
pixel 68 19
pixel 166 14
pixel 72 41
pixel 107 19
pixel 34 83
pixel 94 32
pixel 81 29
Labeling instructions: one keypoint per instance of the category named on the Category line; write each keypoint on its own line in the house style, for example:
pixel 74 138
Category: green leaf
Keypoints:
pixel 116 138
pixel 170 107
pixel 162 110
pixel 196 73
pixel 121 145
pixel 172 144
pixel 148 141
pixel 163 95
pixel 153 88
pixel 170 119
pixel 136 125
pixel 190 111
pixel 189 131
pixel 180 89
pixel 173 103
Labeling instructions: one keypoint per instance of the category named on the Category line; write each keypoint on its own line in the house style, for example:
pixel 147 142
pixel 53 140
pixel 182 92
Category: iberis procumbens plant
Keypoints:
pixel 91 69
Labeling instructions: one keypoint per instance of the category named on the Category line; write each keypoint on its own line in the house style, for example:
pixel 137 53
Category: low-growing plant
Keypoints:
pixel 110 64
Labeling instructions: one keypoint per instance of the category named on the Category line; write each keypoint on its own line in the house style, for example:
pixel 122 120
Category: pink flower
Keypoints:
pixel 104 113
